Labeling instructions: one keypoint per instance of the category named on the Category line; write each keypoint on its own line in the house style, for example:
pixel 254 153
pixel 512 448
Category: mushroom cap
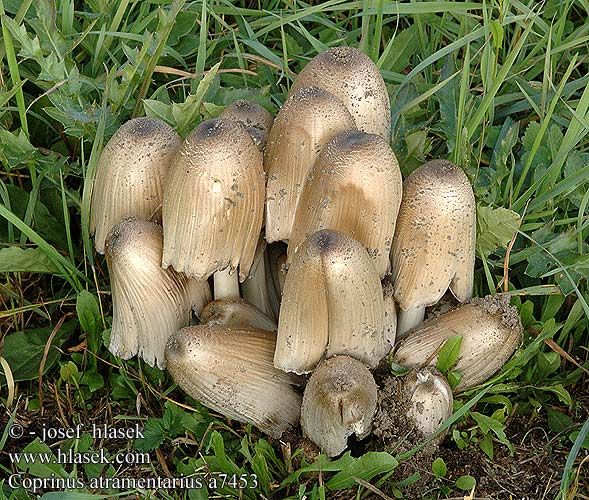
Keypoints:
pixel 355 187
pixel 491 331
pixel 130 175
pixel 149 303
pixel 235 313
pixel 309 118
pixel 230 371
pixel 430 399
pixel 332 304
pixel 339 400
pixel 256 120
pixel 214 201
pixel 355 79
pixel 434 243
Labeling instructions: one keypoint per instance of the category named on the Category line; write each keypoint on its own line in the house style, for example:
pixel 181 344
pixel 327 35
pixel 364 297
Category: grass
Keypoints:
pixel 499 87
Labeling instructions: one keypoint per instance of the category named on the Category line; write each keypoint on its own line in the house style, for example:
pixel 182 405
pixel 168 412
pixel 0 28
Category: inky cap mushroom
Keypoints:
pixel 130 175
pixel 355 187
pixel 235 313
pixel 256 120
pixel 213 202
pixel 354 78
pixel 309 118
pixel 339 400
pixel 332 304
pixel 149 303
pixel 434 243
pixel 231 372
pixel 491 330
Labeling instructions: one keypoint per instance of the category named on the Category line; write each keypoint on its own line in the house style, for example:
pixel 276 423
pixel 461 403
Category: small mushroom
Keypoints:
pixel 339 400
pixel 130 175
pixel 149 303
pixel 434 243
pixel 230 371
pixel 256 120
pixel 491 330
pixel 355 79
pixel 213 205
pixel 355 187
pixel 430 400
pixel 309 118
pixel 332 304
pixel 235 313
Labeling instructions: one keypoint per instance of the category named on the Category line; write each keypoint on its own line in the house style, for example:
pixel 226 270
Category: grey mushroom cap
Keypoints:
pixel 213 202
pixel 230 371
pixel 355 79
pixel 130 175
pixel 339 400
pixel 149 303
pixel 434 243
pixel 256 120
pixel 309 119
pixel 235 313
pixel 491 331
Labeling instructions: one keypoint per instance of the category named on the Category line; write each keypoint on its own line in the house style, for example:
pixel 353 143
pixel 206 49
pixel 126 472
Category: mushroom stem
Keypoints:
pixel 408 319
pixel 226 285
pixel 255 290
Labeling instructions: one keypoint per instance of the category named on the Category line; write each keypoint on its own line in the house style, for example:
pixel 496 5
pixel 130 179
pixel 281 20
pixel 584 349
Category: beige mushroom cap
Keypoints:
pixel 235 313
pixel 309 118
pixel 355 187
pixel 130 175
pixel 339 400
pixel 256 120
pixel 434 243
pixel 149 303
pixel 491 331
pixel 214 201
pixel 355 79
pixel 332 304
pixel 230 371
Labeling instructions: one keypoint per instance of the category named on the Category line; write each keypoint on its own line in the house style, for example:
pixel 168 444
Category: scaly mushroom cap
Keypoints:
pixel 491 331
pixel 309 119
pixel 430 400
pixel 231 372
pixel 332 304
pixel 355 187
pixel 355 79
pixel 339 400
pixel 149 303
pixel 214 201
pixel 434 243
pixel 235 313
pixel 256 120
pixel 130 175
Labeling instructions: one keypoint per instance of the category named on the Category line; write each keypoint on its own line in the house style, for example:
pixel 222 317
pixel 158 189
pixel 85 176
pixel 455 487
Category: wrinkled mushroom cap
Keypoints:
pixel 355 79
pixel 213 201
pixel 149 303
pixel 491 330
pixel 309 118
pixel 130 175
pixel 355 187
pixel 434 243
pixel 332 304
pixel 256 120
pixel 230 371
pixel 339 400
pixel 235 313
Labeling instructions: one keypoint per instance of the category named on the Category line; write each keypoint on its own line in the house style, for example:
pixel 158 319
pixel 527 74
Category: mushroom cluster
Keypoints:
pixel 310 298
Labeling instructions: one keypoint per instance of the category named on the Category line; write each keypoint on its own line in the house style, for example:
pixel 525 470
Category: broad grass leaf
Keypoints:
pixel 495 228
pixel 449 354
pixel 26 260
pixel 24 350
pixel 365 467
